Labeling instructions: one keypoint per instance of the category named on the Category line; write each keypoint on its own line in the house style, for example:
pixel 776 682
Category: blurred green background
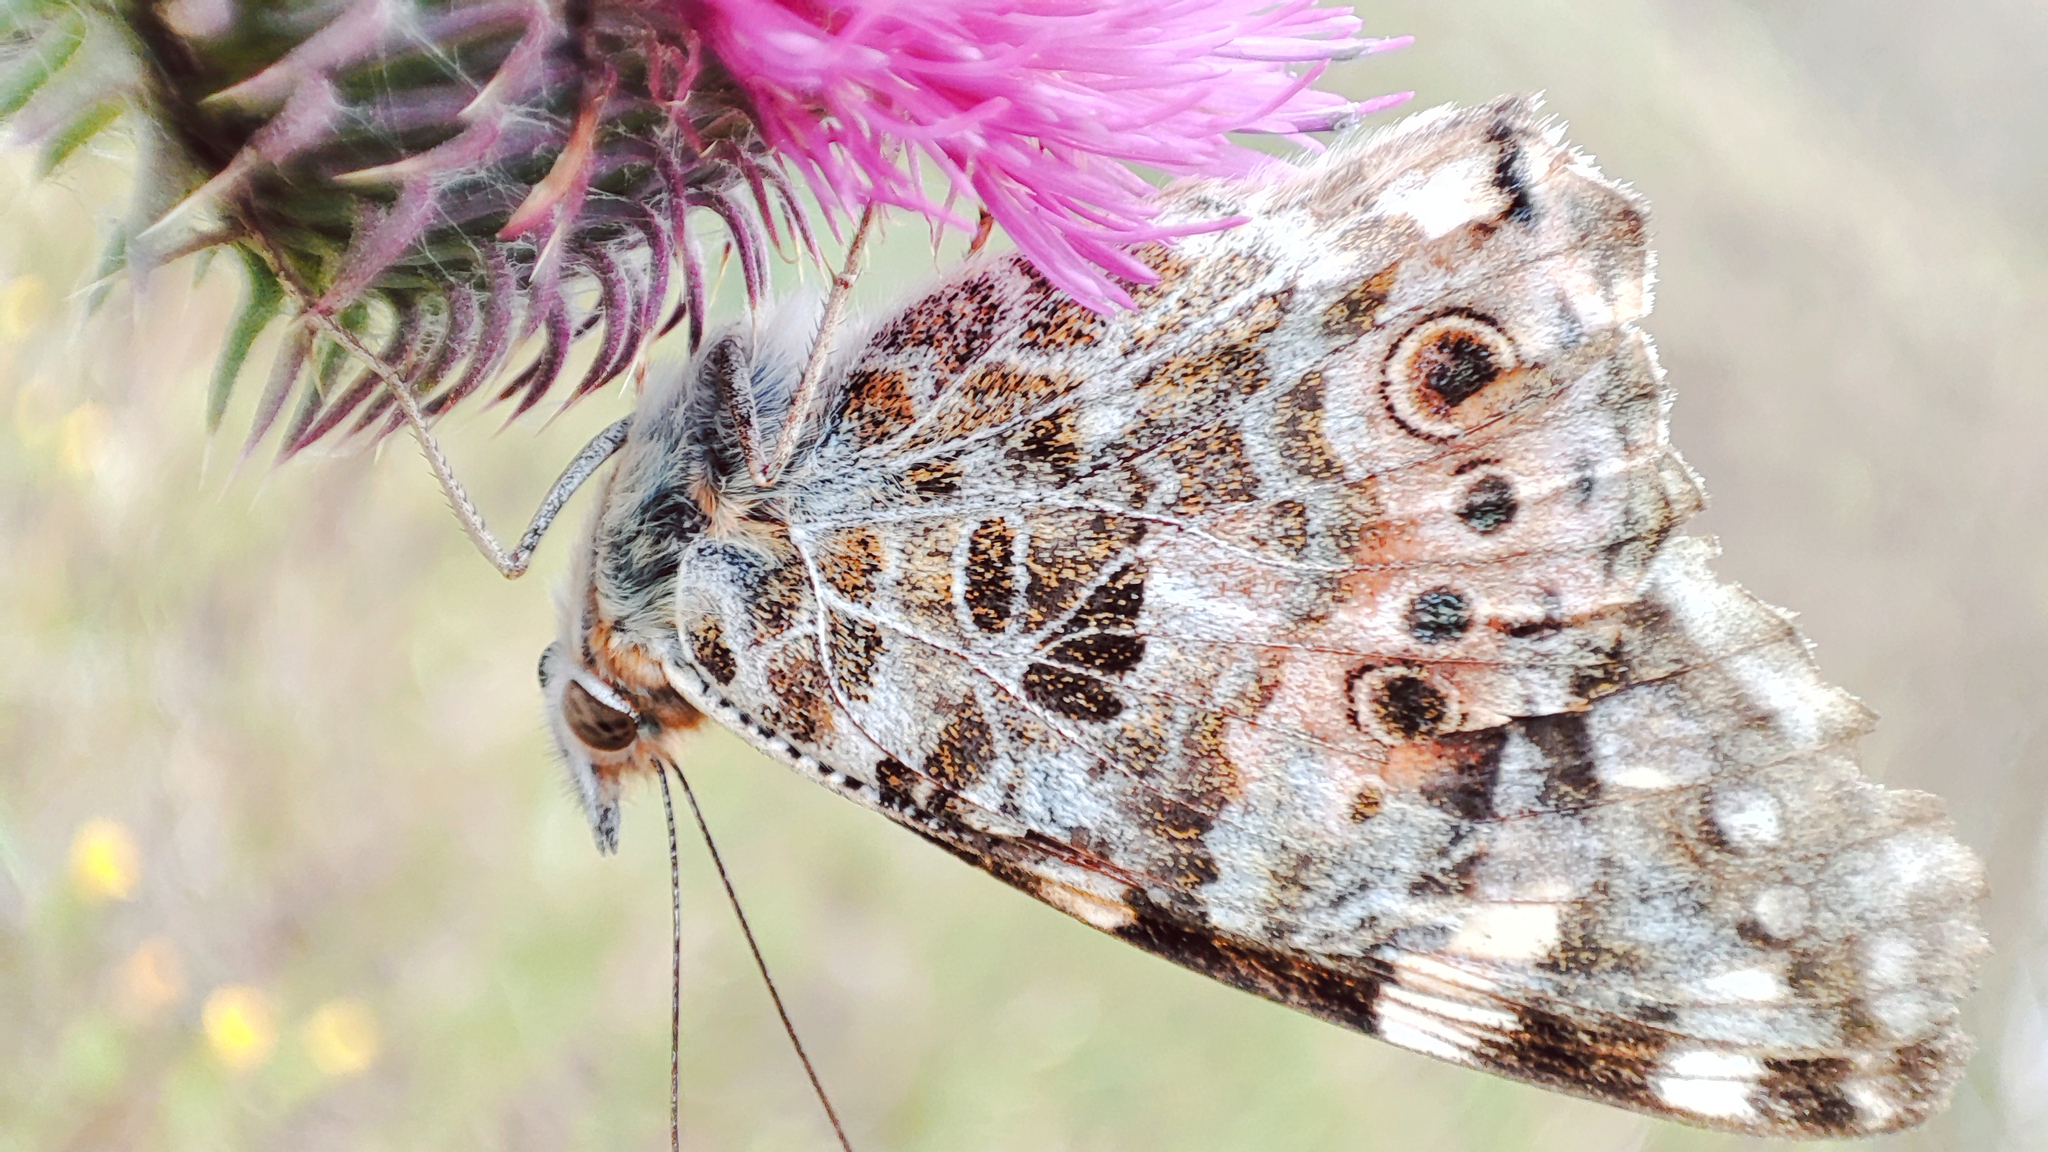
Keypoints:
pixel 285 861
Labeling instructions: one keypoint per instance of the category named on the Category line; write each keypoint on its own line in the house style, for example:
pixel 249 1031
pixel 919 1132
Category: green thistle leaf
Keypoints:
pixel 265 300
pixel 76 133
pixel 49 53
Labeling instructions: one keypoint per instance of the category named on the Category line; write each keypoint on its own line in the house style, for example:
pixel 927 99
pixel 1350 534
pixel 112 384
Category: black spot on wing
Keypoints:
pixel 707 647
pixel 956 325
pixel 1548 625
pixel 1568 777
pixel 1070 693
pixel 1175 834
pixel 1489 505
pixel 1655 1013
pixel 1922 1071
pixel 801 702
pixel 1053 322
pixel 1507 174
pixel 1603 668
pixel 991 591
pixel 1438 616
pixel 1065 553
pixel 896 786
pixel 1357 310
pixel 1455 366
pixel 939 477
pixel 856 645
pixel 1583 480
pixel 965 748
pixel 1298 424
pixel 1615 1060
pixel 1114 605
pixel 1049 445
pixel 1105 652
pixel 1410 706
pixel 1586 947
pixel 1807 1093
pixel 776 596
pixel 1365 805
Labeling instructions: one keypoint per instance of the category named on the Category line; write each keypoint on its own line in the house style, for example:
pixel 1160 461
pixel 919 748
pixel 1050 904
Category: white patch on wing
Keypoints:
pixel 1905 1013
pixel 1648 740
pixel 1890 960
pixel 1752 985
pixel 1099 423
pixel 1870 1102
pixel 1709 1083
pixel 1721 1099
pixel 1748 819
pixel 1491 1019
pixel 1089 909
pixel 1398 1023
pixel 1781 911
pixel 1640 776
pixel 1906 863
pixel 1508 932
pixel 1518 785
pixel 1409 964
pixel 1588 297
pixel 1453 195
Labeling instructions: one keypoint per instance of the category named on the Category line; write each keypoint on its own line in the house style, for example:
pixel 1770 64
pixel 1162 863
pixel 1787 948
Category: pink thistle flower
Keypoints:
pixel 1032 108
pixel 446 180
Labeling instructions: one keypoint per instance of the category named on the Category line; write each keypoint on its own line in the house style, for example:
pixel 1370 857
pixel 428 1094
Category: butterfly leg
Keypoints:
pixel 600 449
pixel 512 565
pixel 766 466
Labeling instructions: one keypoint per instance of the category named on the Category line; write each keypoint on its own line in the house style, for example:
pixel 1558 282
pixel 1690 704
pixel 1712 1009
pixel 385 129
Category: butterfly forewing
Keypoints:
pixel 1321 625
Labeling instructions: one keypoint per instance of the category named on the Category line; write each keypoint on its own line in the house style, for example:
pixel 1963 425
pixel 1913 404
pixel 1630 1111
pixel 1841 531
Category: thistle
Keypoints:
pixel 425 188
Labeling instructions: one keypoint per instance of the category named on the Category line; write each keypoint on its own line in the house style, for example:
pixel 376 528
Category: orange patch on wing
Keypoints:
pixel 878 404
pixel 992 395
pixel 955 327
pixel 1209 285
pixel 1057 323
pixel 1411 766
pixel 850 559
pixel 802 706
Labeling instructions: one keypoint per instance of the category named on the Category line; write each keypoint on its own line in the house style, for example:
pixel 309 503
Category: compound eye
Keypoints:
pixel 597 724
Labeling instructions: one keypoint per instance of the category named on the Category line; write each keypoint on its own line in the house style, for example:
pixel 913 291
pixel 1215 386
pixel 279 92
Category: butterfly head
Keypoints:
pixel 607 728
pixel 605 691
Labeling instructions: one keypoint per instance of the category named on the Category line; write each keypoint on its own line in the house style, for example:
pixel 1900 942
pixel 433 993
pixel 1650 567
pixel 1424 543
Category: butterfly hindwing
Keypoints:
pixel 1323 625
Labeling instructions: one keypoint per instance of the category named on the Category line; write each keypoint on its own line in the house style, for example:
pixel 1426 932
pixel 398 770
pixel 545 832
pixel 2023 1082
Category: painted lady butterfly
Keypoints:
pixel 1321 625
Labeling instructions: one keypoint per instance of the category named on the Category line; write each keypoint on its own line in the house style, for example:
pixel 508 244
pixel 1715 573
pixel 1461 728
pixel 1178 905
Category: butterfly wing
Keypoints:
pixel 1322 625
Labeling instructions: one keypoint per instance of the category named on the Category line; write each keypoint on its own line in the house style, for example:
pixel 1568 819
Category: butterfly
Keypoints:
pixel 1323 625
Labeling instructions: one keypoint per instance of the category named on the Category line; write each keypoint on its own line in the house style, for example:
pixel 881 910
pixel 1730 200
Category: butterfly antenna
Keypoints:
pixel 675 974
pixel 760 964
pixel 796 419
